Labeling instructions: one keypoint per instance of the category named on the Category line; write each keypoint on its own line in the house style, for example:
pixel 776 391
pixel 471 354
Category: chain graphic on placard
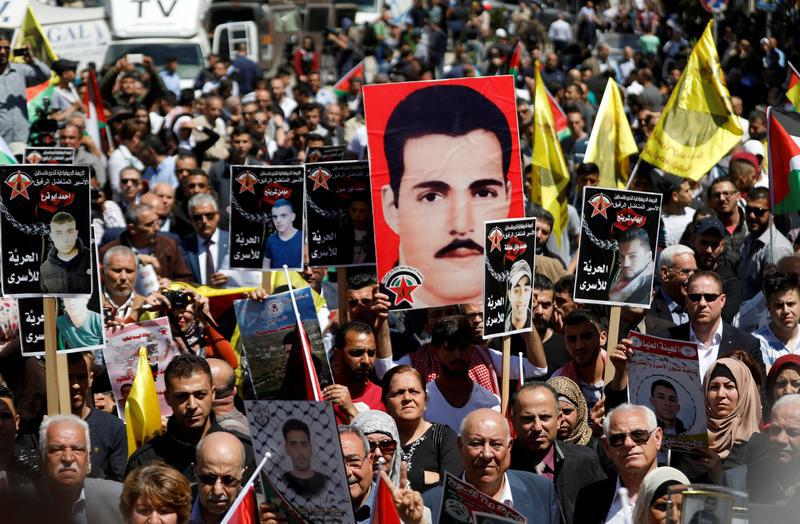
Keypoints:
pixel 321 212
pixel 258 218
pixel 608 245
pixel 28 229
pixel 499 277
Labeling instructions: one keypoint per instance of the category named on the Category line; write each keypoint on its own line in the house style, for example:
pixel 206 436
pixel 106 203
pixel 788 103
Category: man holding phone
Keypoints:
pixel 14 79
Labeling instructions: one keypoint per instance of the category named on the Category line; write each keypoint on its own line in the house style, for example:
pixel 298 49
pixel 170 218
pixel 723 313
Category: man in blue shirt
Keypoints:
pixel 169 75
pixel 285 245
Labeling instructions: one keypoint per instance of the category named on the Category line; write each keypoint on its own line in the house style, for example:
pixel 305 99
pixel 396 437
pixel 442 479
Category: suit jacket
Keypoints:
pixel 191 251
pixel 534 497
pixel 166 250
pixel 30 503
pixel 595 501
pixel 733 339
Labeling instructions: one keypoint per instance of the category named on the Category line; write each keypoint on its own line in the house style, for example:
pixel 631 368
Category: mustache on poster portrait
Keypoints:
pixel 464 243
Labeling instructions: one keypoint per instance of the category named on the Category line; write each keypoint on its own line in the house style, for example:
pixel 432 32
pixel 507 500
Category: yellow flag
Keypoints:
pixel 142 414
pixel 611 141
pixel 549 178
pixel 698 125
pixel 30 32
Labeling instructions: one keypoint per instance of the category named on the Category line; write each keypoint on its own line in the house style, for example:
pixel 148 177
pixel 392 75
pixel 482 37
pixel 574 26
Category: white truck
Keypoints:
pixel 160 29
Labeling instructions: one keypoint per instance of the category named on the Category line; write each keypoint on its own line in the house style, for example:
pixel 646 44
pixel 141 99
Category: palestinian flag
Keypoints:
pixel 36 95
pixel 342 87
pixel 793 90
pixel 783 134
pixel 515 63
pixel 96 125
pixel 559 117
pixel 31 33
pixel 6 156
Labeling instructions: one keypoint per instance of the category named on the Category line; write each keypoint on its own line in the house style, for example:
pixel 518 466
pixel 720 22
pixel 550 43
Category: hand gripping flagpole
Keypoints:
pixel 303 339
pixel 245 490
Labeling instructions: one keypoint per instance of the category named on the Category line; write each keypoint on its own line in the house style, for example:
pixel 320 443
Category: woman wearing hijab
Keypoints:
pixel 783 379
pixel 651 504
pixel 381 431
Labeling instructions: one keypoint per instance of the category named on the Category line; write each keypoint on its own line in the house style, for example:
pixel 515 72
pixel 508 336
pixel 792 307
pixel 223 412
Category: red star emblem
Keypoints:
pixel 600 203
pixel 402 292
pixel 495 237
pixel 34 158
pixel 19 182
pixel 247 180
pixel 320 178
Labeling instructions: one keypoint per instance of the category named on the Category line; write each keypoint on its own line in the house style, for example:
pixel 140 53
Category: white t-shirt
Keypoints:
pixel 439 410
pixel 676 225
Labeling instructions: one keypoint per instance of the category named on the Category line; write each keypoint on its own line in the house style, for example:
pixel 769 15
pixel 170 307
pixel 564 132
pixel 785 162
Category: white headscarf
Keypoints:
pixel 379 422
pixel 652 481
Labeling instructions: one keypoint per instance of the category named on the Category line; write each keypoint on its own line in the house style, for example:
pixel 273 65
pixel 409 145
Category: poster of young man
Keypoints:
pixel 266 226
pixel 339 214
pixel 79 324
pixel 272 346
pixel 617 253
pixel 306 465
pixel 460 500
pixel 121 354
pixel 707 507
pixel 444 159
pixel 665 375
pixel 509 247
pixel 49 155
pixel 45 219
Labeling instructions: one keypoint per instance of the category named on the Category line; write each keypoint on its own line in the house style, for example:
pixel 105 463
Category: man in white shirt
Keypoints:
pixel 676 211
pixel 560 33
pixel 782 335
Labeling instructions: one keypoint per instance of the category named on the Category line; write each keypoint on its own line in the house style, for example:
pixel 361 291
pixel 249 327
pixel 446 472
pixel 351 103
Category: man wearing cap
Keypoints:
pixel 676 211
pixel 65 99
pixel 14 79
pixel 745 170
pixel 711 254
pixel 518 297
pixel 765 244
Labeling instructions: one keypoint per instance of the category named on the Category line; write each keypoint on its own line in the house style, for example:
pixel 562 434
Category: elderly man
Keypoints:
pixel 484 446
pixel 206 249
pixel 219 468
pixel 536 417
pixel 632 439
pixel 64 493
pixel 121 303
pixel 224 380
pixel 675 265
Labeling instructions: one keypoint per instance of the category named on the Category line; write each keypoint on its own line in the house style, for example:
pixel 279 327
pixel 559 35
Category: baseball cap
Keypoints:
pixel 704 225
pixel 62 64
pixel 744 156
pixel 754 147
pixel 519 269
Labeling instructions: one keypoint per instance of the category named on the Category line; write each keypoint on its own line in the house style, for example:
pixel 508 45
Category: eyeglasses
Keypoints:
pixel 208 216
pixel 5 48
pixel 683 270
pixel 227 480
pixel 638 436
pixel 709 297
pixel 180 170
pixel 126 181
pixel 721 194
pixel 353 302
pixel 757 211
pixel 386 446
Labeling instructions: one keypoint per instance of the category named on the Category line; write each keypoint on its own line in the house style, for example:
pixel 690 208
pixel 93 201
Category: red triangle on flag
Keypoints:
pixel 783 135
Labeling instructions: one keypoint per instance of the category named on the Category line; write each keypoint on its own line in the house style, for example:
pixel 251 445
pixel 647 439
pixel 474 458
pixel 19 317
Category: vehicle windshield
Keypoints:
pixel 190 56
pixel 363 5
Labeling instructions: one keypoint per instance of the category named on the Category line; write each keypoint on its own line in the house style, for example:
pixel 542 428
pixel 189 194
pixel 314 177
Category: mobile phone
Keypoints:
pixel 21 51
pixel 134 58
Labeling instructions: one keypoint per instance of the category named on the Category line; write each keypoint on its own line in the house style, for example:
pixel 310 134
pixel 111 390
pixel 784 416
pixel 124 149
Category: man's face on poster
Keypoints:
pixel 519 297
pixel 665 403
pixel 283 218
pixel 359 214
pixel 64 236
pixel 450 186
pixel 298 447
pixel 634 257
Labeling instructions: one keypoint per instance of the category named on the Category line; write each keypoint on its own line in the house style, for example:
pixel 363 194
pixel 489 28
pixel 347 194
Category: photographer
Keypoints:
pixel 119 84
pixel 346 52
pixel 14 78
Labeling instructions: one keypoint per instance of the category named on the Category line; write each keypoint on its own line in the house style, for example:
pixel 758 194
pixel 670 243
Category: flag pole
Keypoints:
pixel 302 335
pixel 245 490
pixel 633 173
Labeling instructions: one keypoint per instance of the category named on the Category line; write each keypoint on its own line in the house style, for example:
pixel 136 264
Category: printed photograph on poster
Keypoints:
pixel 306 465
pixel 617 250
pixel 706 507
pixel 266 225
pixel 121 354
pixel 272 346
pixel 45 217
pixel 325 154
pixel 509 247
pixel 339 214
pixel 49 155
pixel 444 158
pixel 664 375
pixel 460 500
pixel 79 321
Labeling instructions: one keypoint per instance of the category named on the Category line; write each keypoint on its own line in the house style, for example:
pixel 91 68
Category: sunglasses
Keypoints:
pixel 126 181
pixel 757 211
pixel 638 436
pixel 709 297
pixel 353 302
pixel 227 480
pixel 208 216
pixel 386 446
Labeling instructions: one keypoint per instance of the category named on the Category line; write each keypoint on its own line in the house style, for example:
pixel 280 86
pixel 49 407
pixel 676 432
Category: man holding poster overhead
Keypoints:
pixel 436 203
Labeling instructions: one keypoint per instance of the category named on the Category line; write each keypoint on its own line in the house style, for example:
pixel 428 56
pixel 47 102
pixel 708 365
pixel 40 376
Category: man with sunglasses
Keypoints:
pixel 764 245
pixel 631 439
pixel 219 468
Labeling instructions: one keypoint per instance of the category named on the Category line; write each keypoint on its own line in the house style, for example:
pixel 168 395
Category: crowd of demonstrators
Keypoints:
pixel 418 395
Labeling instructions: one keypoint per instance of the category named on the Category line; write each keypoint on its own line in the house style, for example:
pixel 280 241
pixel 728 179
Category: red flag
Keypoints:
pixel 383 511
pixel 342 87
pixel 516 60
pixel 559 117
pixel 245 512
pixel 96 124
pixel 313 389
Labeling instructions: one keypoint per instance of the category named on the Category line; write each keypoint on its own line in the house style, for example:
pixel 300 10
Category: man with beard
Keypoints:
pixel 633 283
pixel 356 238
pixel 711 254
pixel 544 311
pixel 67 267
pixel 453 395
pixel 219 468
pixel 297 442
pixel 353 362
pixel 240 154
pixel 723 198
pixel 584 337
pixel 518 296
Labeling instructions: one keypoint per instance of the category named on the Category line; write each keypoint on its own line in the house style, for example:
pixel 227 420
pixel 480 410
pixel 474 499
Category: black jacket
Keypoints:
pixel 595 501
pixel 70 276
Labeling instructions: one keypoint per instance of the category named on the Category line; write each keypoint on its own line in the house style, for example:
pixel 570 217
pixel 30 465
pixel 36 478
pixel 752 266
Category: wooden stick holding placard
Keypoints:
pixel 341 284
pixel 613 339
pixel 58 401
pixel 505 387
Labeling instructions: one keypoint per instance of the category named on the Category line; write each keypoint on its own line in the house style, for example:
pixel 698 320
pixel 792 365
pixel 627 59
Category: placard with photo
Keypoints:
pixel 49 155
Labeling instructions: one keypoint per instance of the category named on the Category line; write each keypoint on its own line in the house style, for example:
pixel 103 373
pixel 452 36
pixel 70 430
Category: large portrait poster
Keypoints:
pixel 617 253
pixel 272 346
pixel 444 158
pixel 665 375
pixel 306 465
pixel 460 500
pixel 121 354
pixel 339 214
pixel 266 228
pixel 509 247
pixel 45 218
pixel 49 155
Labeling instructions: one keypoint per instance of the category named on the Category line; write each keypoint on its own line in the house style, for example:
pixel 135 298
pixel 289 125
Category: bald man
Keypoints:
pixel 484 446
pixel 224 380
pixel 220 471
